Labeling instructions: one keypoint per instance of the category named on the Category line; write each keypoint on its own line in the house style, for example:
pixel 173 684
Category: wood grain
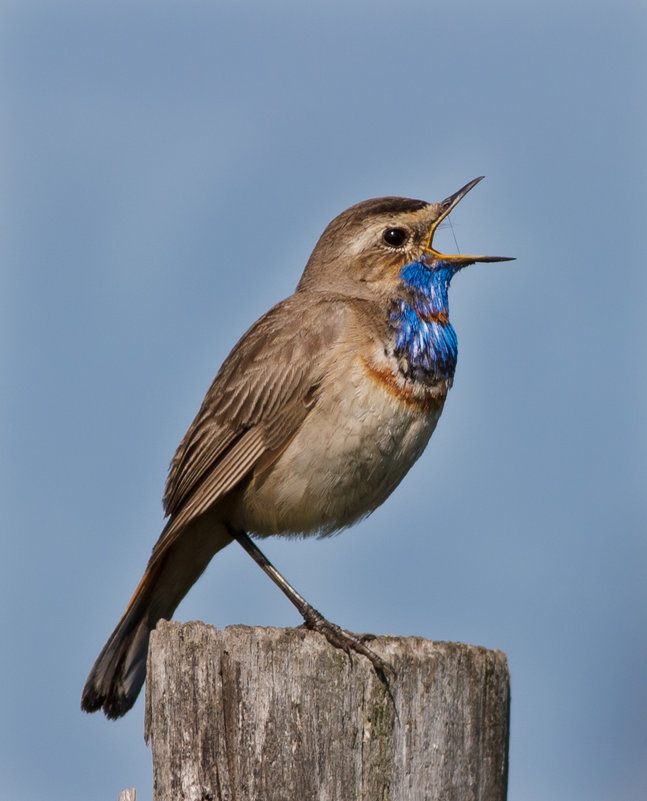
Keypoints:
pixel 264 714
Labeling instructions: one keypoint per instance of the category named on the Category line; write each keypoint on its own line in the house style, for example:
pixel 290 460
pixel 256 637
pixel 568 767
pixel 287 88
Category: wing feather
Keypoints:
pixel 261 395
pixel 203 450
pixel 224 476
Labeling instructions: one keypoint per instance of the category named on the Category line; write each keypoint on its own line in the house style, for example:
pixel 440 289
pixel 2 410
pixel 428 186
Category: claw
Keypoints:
pixel 347 641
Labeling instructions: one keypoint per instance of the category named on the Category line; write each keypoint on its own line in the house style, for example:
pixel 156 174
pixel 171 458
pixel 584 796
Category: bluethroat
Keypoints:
pixel 312 421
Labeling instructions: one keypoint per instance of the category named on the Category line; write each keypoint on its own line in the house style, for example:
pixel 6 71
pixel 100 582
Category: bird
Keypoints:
pixel 312 421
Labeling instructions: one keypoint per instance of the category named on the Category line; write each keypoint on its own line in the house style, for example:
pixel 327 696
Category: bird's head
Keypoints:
pixel 368 244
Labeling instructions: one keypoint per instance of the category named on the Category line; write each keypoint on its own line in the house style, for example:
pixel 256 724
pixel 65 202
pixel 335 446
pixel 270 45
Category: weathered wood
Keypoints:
pixel 129 794
pixel 254 714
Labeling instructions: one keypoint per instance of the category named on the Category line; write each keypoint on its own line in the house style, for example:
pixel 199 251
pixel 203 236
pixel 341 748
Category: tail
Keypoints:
pixel 119 672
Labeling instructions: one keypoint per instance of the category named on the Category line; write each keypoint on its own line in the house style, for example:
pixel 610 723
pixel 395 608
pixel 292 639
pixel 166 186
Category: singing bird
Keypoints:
pixel 312 421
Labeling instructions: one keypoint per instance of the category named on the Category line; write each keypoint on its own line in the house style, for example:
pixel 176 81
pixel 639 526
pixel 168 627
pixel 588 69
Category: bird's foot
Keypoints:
pixel 314 620
pixel 346 640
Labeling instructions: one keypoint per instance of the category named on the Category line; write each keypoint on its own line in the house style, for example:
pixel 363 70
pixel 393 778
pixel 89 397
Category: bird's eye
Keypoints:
pixel 395 237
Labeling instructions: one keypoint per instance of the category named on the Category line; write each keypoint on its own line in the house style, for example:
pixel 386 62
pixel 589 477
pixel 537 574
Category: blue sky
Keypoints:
pixel 166 169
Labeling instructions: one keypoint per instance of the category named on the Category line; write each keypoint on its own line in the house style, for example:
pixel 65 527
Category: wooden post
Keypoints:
pixel 263 714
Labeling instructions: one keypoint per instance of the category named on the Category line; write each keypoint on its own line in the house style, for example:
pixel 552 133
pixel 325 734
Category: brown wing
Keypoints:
pixel 261 395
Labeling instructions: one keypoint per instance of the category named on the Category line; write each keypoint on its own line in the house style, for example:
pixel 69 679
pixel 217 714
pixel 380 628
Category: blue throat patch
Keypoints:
pixel 425 338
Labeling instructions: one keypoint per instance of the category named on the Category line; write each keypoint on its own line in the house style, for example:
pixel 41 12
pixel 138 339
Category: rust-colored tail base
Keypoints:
pixel 120 669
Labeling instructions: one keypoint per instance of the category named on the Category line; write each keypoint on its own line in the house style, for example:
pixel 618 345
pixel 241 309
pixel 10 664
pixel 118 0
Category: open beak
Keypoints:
pixel 446 207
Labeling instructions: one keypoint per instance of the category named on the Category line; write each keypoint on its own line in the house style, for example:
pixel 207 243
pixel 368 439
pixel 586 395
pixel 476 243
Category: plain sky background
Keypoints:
pixel 166 168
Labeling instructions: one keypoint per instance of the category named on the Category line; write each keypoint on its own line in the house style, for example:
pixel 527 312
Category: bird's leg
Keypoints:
pixel 314 620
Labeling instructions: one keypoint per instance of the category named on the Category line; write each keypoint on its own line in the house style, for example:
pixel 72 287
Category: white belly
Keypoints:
pixel 352 450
